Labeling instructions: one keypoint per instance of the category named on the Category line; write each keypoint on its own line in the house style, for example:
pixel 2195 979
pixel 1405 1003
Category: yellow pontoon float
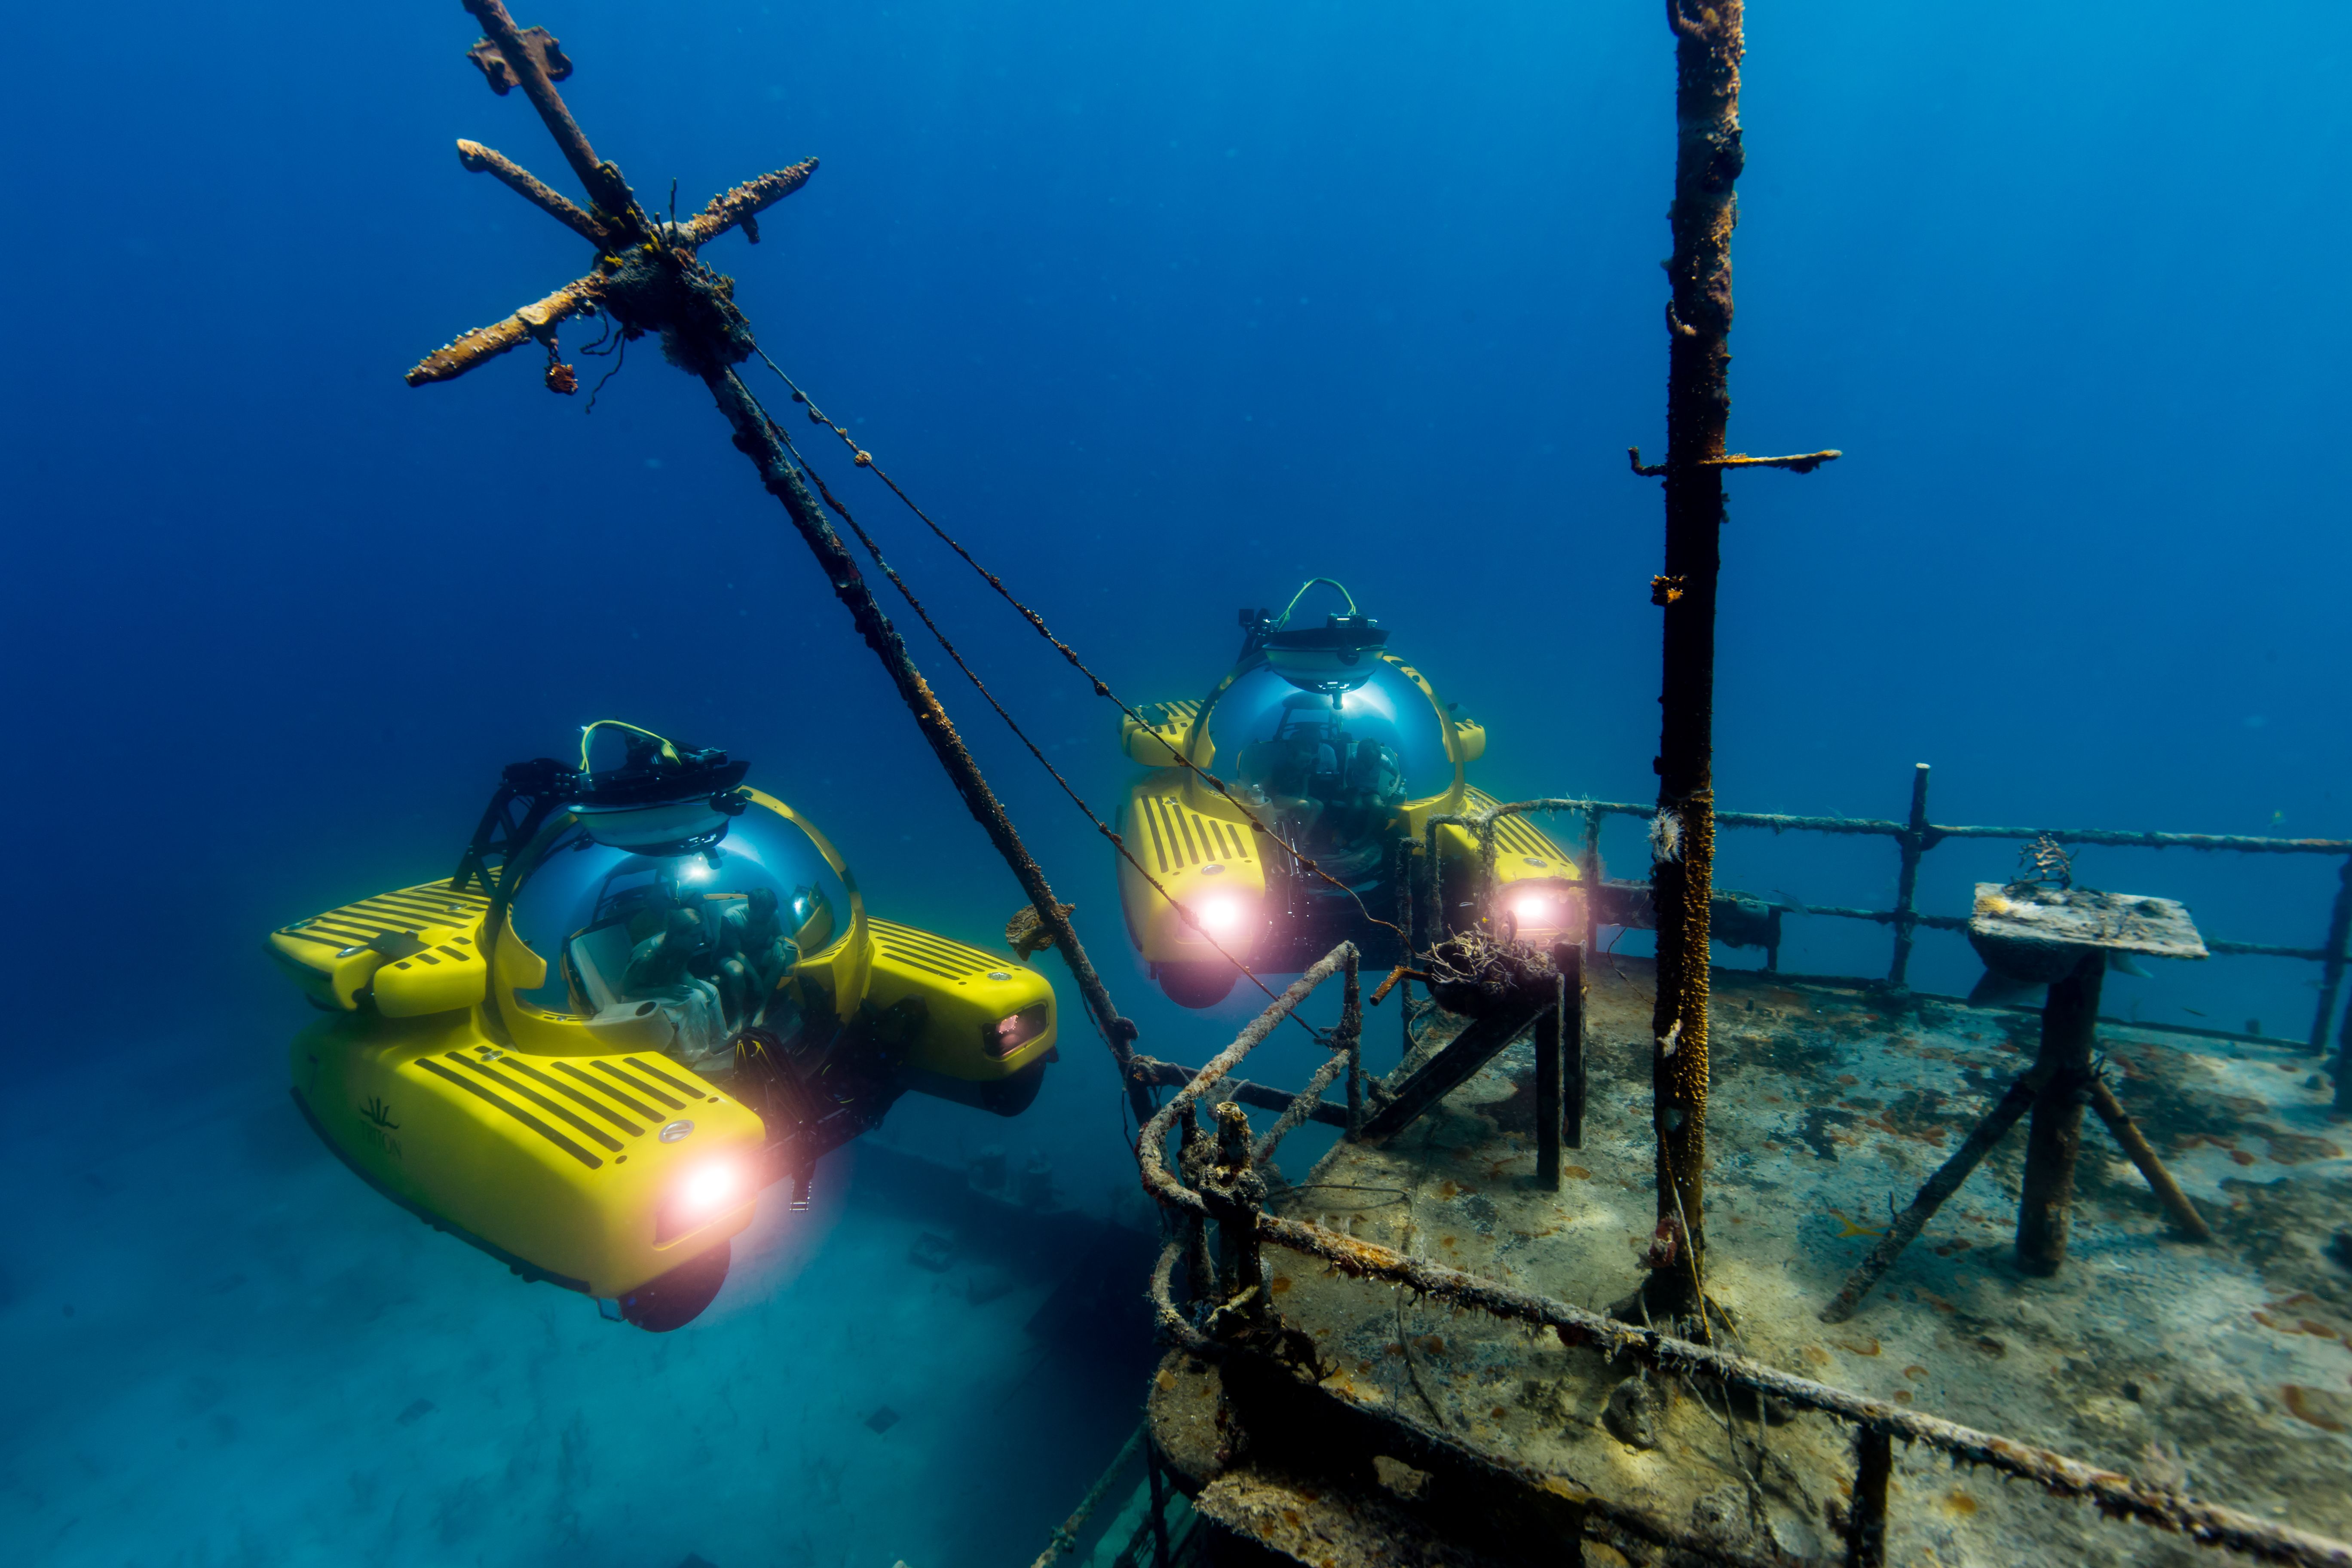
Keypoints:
pixel 648 993
pixel 1320 739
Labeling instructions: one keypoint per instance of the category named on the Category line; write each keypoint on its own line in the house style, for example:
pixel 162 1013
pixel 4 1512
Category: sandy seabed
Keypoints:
pixel 224 1350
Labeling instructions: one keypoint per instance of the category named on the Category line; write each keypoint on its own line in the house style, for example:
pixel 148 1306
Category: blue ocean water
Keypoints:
pixel 1161 311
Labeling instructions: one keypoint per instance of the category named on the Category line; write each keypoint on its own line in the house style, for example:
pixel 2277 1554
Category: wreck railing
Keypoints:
pixel 1222 1185
pixel 1915 836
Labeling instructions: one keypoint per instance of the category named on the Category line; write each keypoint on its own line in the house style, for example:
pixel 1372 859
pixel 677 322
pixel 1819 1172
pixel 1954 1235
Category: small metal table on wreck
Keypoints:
pixel 2064 936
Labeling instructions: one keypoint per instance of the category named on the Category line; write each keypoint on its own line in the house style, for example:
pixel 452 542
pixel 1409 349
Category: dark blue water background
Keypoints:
pixel 1161 309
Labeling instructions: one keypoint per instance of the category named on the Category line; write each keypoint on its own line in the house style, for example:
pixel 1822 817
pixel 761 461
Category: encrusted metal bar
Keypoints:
pixel 2238 842
pixel 1232 1191
pixel 1865 1530
pixel 2264 950
pixel 1193 1159
pixel 1548 1117
pixel 454 360
pixel 1592 875
pixel 1439 928
pixel 2054 1134
pixel 1151 1145
pixel 2331 977
pixel 602 181
pixel 1174 1327
pixel 1065 1535
pixel 1304 1104
pixel 1483 893
pixel 1153 1071
pixel 1406 856
pixel 2185 1218
pixel 483 160
pixel 1451 1065
pixel 1569 957
pixel 1351 1034
pixel 2343 1074
pixel 743 203
pixel 2115 838
pixel 1927 836
pixel 1158 1506
pixel 1933 1196
pixel 1795 463
pixel 757 439
pixel 1906 882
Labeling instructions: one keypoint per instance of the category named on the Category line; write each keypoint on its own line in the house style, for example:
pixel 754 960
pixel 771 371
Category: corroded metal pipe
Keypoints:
pixel 1932 1197
pixel 602 181
pixel 2184 1214
pixel 2053 1136
pixel 1708 44
pixel 1865 1530
pixel 783 479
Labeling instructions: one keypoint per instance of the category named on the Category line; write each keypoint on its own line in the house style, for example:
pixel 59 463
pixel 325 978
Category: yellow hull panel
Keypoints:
pixel 957 994
pixel 597 1172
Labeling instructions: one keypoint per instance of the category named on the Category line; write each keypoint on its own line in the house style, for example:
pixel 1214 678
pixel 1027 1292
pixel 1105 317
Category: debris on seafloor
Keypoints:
pixel 883 1419
pixel 932 1251
pixel 1631 1413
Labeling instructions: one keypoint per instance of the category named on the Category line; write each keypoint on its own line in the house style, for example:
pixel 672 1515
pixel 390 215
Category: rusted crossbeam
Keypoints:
pixel 648 278
pixel 1453 1064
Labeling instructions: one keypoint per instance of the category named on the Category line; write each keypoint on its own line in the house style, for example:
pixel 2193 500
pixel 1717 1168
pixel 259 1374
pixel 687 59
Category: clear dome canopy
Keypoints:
pixel 1381 742
pixel 594 912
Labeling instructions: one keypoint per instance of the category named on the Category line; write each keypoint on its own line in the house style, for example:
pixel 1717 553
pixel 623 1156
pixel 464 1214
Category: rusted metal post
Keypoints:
pixel 2331 973
pixel 1407 856
pixel 527 57
pixel 1192 1161
pixel 1159 1503
pixel 781 477
pixel 1483 895
pixel 665 289
pixel 1591 878
pixel 1569 957
pixel 2054 1135
pixel 1548 1118
pixel 1707 159
pixel 2185 1218
pixel 1351 1032
pixel 1874 1467
pixel 2344 1065
pixel 1234 1191
pixel 1447 1069
pixel 1433 883
pixel 1913 843
pixel 1938 1188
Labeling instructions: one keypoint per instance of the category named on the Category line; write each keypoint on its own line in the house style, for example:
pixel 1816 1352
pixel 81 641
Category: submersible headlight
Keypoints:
pixel 698 1197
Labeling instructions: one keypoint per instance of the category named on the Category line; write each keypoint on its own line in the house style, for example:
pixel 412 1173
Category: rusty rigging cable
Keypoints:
pixel 865 460
pixel 924 615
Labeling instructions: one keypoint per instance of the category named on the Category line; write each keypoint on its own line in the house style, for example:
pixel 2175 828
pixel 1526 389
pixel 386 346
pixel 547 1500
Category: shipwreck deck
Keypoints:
pixel 2223 1369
